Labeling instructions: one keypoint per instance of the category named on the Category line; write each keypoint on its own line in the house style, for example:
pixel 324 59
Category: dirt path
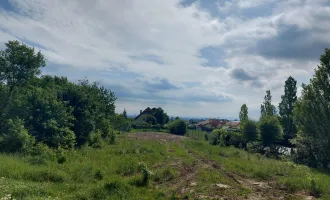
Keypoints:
pixel 188 176
pixel 156 136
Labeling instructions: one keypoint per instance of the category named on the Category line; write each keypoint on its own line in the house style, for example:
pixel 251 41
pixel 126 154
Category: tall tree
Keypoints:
pixel 243 114
pixel 312 114
pixel 286 109
pixel 161 117
pixel 19 63
pixel 267 109
pixel 125 114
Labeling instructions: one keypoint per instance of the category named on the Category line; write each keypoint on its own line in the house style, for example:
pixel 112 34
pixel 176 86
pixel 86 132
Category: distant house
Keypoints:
pixel 143 115
pixel 210 124
pixel 235 125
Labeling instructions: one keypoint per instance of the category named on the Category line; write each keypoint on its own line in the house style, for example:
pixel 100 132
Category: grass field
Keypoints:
pixel 159 166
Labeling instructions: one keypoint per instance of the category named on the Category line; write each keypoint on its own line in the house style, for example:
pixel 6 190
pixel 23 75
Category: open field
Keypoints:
pixel 178 168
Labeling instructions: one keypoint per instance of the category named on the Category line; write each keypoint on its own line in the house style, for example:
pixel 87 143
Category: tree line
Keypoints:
pixel 49 110
pixel 300 123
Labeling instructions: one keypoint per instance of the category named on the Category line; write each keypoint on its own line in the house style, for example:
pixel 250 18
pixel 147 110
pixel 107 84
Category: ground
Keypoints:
pixel 177 167
pixel 188 178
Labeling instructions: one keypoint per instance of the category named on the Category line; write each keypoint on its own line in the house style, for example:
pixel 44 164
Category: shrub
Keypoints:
pixel 216 137
pixel 151 120
pixel 235 139
pixel 16 138
pixel 250 131
pixel 96 140
pixel 178 127
pixel 254 147
pixel 270 130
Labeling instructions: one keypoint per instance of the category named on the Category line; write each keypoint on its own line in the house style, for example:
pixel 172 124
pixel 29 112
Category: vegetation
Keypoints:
pixel 286 110
pixel 243 115
pixel 267 109
pixel 178 127
pixel 270 130
pixel 49 110
pixel 312 114
pixel 63 140
pixel 250 130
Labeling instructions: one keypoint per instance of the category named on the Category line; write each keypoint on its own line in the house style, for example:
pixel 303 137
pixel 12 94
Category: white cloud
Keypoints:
pixel 106 34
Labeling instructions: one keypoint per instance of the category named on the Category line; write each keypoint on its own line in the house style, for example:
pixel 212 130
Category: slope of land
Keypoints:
pixel 180 168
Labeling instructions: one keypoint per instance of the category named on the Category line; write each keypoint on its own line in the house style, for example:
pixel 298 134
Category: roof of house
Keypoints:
pixel 203 123
pixel 146 111
pixel 214 123
pixel 233 124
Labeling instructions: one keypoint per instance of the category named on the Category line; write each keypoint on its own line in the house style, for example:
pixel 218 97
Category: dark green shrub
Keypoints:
pixel 16 138
pixel 151 120
pixel 250 130
pixel 270 130
pixel 96 140
pixel 235 139
pixel 216 137
pixel 178 127
pixel 98 175
pixel 254 147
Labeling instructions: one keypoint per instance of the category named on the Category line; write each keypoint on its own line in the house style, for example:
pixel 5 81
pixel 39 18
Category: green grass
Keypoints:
pixel 294 177
pixel 114 172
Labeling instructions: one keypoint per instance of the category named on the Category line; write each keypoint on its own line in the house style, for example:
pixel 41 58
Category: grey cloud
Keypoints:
pixel 241 75
pixel 292 43
pixel 158 84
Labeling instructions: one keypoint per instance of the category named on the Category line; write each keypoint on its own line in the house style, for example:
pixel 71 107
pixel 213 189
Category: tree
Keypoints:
pixel 151 120
pixel 286 109
pixel 267 109
pixel 250 131
pixel 243 115
pixel 270 130
pixel 178 127
pixel 125 114
pixel 161 117
pixel 19 64
pixel 312 115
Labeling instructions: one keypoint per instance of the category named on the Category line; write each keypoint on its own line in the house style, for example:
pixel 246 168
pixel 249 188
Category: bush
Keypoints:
pixel 270 130
pixel 235 139
pixel 96 140
pixel 16 138
pixel 178 127
pixel 216 137
pixel 250 131
pixel 151 120
pixel 254 147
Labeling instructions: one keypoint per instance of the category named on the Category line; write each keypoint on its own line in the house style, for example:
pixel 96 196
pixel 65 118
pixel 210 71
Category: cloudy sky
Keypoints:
pixel 193 58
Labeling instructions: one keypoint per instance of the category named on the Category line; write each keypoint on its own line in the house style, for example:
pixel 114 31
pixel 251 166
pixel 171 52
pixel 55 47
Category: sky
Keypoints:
pixel 190 57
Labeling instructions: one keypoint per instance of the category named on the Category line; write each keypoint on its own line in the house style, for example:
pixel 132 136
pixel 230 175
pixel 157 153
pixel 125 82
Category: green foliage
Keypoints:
pixel 19 64
pixel 151 120
pixel 96 140
pixel 270 130
pixel 243 115
pixel 286 109
pixel 312 114
pixel 178 127
pixel 160 116
pixel 119 123
pixel 125 114
pixel 146 174
pixel 16 138
pixel 233 138
pixel 53 110
pixel 250 130
pixel 267 109
pixel 217 137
